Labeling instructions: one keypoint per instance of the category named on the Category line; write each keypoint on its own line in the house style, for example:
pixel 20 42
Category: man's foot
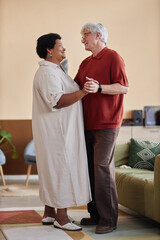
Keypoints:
pixel 89 221
pixel 104 229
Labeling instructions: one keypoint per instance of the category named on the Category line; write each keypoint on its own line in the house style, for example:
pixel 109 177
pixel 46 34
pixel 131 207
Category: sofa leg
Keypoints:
pixel 2 175
pixel 28 173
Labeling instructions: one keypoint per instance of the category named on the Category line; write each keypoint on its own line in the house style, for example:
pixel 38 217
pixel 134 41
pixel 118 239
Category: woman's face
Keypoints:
pixel 58 52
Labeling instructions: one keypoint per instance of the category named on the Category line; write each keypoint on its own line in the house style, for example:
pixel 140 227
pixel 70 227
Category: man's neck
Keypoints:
pixel 98 49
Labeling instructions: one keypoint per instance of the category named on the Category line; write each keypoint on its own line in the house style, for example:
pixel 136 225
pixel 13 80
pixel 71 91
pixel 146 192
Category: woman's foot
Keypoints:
pixel 49 215
pixel 61 216
pixel 68 226
pixel 48 220
pixel 63 221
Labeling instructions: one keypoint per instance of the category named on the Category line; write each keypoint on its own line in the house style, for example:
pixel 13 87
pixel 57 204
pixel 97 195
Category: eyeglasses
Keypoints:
pixel 84 35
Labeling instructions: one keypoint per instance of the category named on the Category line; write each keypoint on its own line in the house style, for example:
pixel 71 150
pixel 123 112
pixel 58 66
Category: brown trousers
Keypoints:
pixel 100 150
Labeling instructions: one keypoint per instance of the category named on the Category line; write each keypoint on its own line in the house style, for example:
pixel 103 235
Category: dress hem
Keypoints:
pixel 67 205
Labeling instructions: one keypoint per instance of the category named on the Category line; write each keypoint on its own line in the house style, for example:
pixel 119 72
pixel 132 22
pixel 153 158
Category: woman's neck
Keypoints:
pixel 53 61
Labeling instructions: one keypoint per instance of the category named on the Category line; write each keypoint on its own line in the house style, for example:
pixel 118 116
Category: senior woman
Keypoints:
pixel 58 133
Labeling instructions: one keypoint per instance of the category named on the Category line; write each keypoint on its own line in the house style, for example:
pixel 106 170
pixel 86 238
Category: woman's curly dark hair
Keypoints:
pixel 44 42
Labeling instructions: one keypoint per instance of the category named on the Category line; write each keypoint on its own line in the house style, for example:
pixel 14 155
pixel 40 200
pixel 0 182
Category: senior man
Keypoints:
pixel 103 76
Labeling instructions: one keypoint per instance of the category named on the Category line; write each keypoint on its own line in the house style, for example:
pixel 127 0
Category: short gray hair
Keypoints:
pixel 96 28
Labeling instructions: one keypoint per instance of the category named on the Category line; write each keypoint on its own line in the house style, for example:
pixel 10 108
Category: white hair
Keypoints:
pixel 96 28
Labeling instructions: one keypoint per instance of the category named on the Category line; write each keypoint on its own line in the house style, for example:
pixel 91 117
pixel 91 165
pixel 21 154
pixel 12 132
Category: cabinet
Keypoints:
pixel 138 132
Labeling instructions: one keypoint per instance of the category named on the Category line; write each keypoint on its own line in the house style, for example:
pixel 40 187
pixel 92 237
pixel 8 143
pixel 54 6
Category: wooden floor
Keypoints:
pixel 27 202
pixel 130 226
pixel 24 202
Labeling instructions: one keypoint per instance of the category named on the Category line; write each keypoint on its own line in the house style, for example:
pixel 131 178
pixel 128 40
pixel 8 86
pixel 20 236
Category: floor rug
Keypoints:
pixel 26 225
pixel 35 233
pixel 19 217
pixel 19 190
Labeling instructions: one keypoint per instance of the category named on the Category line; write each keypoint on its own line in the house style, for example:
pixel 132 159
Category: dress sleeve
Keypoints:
pixel 51 90
pixel 118 74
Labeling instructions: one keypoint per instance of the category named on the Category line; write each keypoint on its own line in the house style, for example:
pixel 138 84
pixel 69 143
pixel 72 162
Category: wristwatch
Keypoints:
pixel 99 89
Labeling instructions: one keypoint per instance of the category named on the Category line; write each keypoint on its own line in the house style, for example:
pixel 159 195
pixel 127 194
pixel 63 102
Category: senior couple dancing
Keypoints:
pixel 75 144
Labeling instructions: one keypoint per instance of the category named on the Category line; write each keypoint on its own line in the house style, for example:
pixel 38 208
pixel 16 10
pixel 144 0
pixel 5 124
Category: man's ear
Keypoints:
pixel 98 35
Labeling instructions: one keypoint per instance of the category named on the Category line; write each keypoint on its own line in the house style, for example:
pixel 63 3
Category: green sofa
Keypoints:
pixel 137 189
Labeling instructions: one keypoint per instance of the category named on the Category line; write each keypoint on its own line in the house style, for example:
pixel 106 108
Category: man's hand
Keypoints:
pixel 91 86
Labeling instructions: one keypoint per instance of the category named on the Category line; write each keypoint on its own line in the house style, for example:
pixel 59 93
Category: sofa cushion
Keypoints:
pixel 121 154
pixel 142 154
pixel 132 186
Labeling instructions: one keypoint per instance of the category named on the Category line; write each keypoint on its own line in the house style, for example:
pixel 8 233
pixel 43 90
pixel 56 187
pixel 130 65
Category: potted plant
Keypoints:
pixel 6 144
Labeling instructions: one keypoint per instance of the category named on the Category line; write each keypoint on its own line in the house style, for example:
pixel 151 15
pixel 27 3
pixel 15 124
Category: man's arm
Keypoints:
pixel 91 86
pixel 113 89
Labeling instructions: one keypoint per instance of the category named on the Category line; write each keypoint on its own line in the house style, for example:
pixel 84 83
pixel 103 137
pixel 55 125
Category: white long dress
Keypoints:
pixel 59 140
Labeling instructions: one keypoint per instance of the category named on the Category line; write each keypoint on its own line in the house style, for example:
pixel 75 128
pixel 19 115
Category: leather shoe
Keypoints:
pixel 89 221
pixel 105 229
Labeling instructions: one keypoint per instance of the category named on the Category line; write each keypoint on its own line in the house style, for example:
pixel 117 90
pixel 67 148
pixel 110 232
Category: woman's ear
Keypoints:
pixel 48 50
pixel 49 53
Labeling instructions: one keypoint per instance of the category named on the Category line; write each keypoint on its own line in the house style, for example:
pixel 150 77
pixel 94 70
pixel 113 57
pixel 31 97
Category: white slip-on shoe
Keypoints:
pixel 68 226
pixel 48 221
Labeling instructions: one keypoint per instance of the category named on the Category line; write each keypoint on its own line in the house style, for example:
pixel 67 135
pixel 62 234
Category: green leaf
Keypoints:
pixel 5 139
pixel 6 135
pixel 15 155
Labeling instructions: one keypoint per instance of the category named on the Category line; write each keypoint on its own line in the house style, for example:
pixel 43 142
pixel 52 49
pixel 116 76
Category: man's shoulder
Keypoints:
pixel 85 61
pixel 111 52
pixel 113 55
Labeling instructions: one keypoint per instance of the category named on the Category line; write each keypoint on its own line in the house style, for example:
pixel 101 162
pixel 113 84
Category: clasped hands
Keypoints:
pixel 91 85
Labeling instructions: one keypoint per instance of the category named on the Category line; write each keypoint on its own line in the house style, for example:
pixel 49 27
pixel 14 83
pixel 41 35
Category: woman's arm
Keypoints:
pixel 70 98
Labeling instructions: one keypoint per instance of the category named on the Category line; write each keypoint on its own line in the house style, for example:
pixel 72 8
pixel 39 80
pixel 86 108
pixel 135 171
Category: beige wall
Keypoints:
pixel 134 31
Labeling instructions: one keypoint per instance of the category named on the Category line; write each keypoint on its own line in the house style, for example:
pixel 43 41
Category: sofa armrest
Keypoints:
pixel 157 187
pixel 157 172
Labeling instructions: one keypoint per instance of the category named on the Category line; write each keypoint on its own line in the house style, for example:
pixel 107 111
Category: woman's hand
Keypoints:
pixel 91 86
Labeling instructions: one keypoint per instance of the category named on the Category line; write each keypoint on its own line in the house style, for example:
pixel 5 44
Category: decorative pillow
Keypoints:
pixel 142 154
pixel 121 154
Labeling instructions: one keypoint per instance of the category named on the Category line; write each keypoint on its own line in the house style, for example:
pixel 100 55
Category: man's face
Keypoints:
pixel 89 40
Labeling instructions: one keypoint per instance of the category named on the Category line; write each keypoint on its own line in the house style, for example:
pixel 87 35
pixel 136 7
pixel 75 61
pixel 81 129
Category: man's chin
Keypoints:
pixel 87 49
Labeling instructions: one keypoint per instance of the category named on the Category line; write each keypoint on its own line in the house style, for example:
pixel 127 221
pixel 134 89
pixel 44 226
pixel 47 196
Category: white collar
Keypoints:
pixel 47 63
